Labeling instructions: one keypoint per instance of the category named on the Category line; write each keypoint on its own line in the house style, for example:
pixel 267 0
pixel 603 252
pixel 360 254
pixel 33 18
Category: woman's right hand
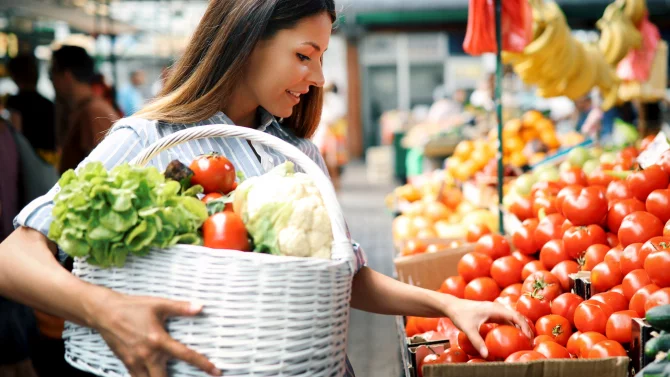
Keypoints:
pixel 133 327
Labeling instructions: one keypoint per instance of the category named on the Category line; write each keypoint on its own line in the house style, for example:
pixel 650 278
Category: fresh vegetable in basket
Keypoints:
pixel 214 172
pixel 285 214
pixel 107 215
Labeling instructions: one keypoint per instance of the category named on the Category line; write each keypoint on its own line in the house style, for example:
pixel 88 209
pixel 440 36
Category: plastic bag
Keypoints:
pixel 636 66
pixel 517 28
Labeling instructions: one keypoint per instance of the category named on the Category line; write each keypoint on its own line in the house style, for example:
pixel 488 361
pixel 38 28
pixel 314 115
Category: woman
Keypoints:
pixel 252 60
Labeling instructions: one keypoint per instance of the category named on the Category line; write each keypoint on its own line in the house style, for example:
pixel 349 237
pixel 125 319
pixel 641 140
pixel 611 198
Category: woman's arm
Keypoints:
pixel 378 293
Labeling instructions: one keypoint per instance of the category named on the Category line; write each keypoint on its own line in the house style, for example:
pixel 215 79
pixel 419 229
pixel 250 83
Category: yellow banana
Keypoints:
pixel 609 97
pixel 579 85
pixel 575 66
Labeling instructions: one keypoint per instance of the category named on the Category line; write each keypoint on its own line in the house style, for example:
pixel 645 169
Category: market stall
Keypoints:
pixel 568 229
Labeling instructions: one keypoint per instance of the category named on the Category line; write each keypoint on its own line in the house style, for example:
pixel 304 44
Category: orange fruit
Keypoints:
pixel 531 117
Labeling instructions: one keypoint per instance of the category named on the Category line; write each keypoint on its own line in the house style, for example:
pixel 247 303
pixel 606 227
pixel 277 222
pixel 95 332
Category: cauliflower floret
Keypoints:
pixel 285 214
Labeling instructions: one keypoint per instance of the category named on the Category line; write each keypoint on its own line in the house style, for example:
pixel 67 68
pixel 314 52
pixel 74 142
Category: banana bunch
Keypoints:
pixel 560 65
pixel 618 33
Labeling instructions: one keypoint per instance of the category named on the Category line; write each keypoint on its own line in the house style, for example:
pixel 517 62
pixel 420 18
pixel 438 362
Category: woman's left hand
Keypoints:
pixel 469 315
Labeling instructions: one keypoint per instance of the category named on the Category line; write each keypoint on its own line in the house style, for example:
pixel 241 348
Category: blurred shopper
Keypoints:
pixel 106 92
pixel 130 97
pixel 31 113
pixel 330 137
pixel 87 117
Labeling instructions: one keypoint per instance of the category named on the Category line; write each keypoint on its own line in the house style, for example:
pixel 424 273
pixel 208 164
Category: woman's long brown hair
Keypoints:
pixel 206 75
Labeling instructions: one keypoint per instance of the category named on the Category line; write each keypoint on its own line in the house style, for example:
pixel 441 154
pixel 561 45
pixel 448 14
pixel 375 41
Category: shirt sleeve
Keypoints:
pixel 122 144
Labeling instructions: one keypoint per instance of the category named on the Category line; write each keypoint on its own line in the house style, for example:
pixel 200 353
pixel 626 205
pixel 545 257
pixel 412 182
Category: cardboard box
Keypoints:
pixel 429 270
pixel 641 333
pixel 419 351
pixel 612 367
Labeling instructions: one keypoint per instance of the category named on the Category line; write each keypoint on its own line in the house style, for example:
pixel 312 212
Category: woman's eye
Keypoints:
pixel 303 57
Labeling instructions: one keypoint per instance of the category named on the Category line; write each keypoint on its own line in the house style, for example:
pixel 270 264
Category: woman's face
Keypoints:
pixel 285 67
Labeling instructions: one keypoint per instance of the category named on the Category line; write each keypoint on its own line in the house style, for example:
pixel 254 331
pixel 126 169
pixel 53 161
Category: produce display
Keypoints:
pixel 107 215
pixel 597 213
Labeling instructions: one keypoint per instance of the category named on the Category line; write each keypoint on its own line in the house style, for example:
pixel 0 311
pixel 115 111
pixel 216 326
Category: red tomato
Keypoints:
pixel 214 173
pixel 619 326
pixel 587 340
pixel 481 289
pixel 612 239
pixel 592 315
pixel 545 189
pixel 225 230
pixel 524 237
pixel 573 343
pixel 606 348
pixel 543 338
pixel 664 162
pixel 639 227
pixel 430 359
pixel 548 229
pixel 578 238
pixel 654 244
pixel 613 256
pixel 618 289
pixel 594 255
pixel 546 204
pixel 464 343
pixel 589 207
pixel 657 266
pixel 563 270
pixel 634 281
pixel 573 176
pixel 666 229
pixel 453 355
pixel 615 300
pixel 506 271
pixel 565 306
pixel 618 190
pixel 640 298
pixel 553 253
pixel 453 285
pixel 521 257
pixel 621 209
pixel 476 231
pixel 544 283
pixel 599 178
pixel 533 306
pixel 524 356
pixel 632 258
pixel 522 208
pixel 532 267
pixel 504 340
pixel 572 190
pixel 555 325
pixel 493 245
pixel 474 265
pixel 605 276
pixel 211 196
pixel 566 225
pixel 658 298
pixel 643 182
pixel 476 361
pixel 426 324
pixel 512 290
pixel 552 350
pixel 658 204
pixel 485 328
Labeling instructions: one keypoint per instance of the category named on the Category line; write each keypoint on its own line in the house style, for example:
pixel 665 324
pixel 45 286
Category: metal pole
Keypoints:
pixel 498 104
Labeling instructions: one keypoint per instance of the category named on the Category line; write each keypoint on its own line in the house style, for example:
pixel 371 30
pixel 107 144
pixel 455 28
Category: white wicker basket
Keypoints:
pixel 263 315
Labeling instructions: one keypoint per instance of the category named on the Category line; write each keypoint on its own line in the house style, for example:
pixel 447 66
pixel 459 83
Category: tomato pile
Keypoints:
pixel 616 226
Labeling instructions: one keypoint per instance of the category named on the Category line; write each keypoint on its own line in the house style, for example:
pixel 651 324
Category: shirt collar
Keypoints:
pixel 266 120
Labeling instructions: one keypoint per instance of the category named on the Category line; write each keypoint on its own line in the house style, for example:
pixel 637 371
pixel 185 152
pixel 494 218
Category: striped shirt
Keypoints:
pixel 130 136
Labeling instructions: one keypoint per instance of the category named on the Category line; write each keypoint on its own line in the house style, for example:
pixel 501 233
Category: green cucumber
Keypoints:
pixel 659 317
pixel 656 345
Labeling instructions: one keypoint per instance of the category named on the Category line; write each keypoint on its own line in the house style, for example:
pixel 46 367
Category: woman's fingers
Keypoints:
pixel 181 352
pixel 158 368
pixel 170 308
pixel 477 341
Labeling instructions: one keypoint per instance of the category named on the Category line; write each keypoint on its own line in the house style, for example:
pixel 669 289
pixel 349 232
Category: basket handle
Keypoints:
pixel 342 248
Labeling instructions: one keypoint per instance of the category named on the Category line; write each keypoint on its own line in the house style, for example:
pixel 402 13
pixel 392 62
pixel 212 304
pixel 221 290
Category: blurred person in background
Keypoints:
pixel 87 117
pixel 31 113
pixel 130 97
pixel 330 136
pixel 249 63
pixel 106 92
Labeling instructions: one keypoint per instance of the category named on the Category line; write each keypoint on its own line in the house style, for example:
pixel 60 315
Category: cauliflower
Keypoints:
pixel 285 214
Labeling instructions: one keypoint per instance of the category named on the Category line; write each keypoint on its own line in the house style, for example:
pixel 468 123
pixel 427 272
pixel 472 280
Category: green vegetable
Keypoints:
pixel 657 369
pixel 659 317
pixel 107 215
pixel 657 344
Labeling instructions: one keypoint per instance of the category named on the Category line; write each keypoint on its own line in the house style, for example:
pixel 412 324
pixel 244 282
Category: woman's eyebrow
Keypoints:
pixel 313 44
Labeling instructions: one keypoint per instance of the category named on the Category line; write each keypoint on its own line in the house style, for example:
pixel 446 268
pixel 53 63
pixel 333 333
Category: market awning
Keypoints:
pixel 74 16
